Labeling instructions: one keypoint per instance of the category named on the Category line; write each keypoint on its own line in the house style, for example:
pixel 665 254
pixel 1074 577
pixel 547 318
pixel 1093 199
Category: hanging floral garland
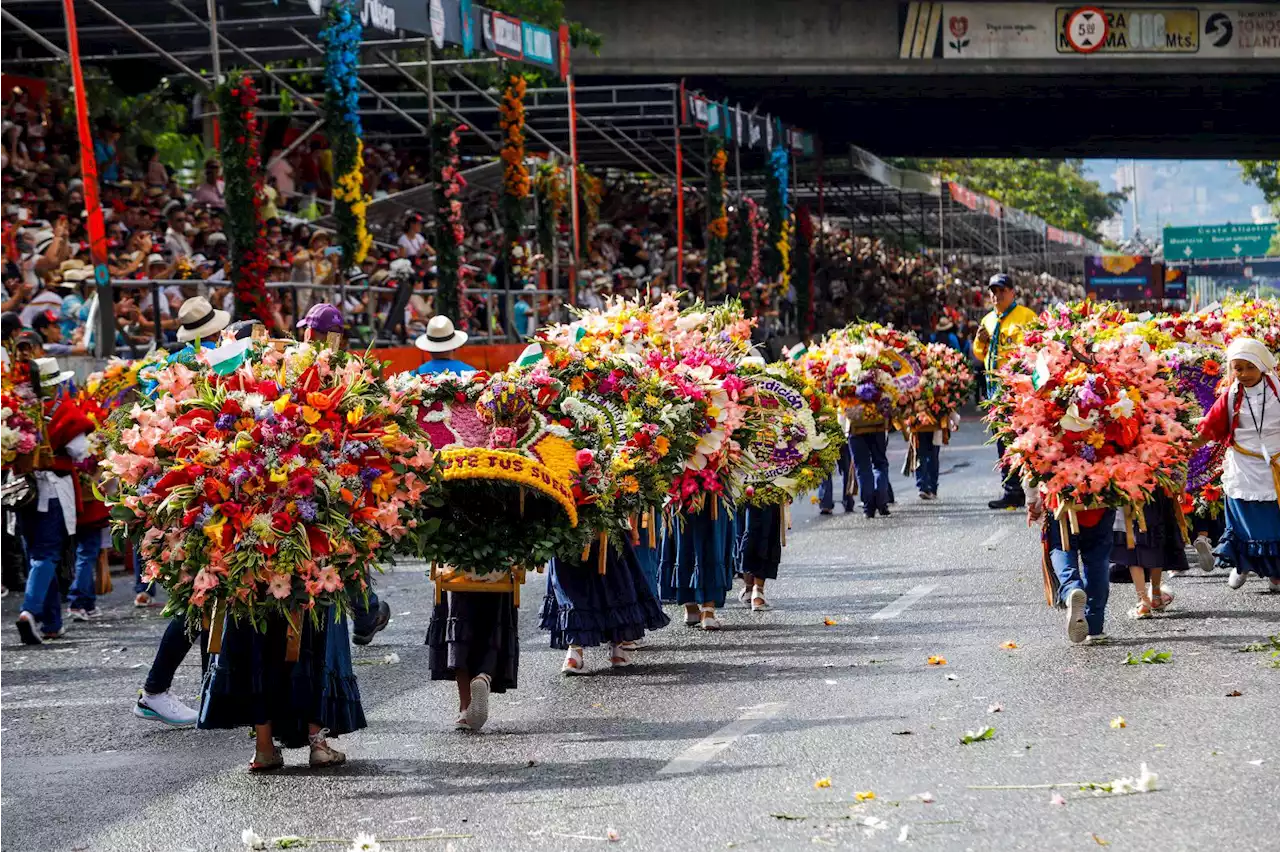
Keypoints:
pixel 341 38
pixel 776 204
pixel 515 177
pixel 553 197
pixel 449 230
pixel 752 225
pixel 590 191
pixel 804 270
pixel 242 171
pixel 717 219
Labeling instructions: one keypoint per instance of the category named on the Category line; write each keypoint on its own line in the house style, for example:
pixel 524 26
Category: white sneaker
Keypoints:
pixel 28 629
pixel 164 708
pixel 1274 585
pixel 1236 579
pixel 1077 627
pixel 1204 552
pixel 1097 639
pixel 477 712
pixel 84 614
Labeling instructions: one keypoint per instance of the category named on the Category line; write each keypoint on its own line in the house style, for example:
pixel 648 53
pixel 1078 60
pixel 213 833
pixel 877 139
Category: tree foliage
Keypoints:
pixel 1265 175
pixel 1055 190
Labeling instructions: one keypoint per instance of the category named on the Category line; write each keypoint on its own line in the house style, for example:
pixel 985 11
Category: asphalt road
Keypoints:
pixel 715 741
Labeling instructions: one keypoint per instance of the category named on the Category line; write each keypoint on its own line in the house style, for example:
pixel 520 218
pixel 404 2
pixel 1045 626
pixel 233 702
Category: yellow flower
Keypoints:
pixel 1095 439
pixel 1119 722
pixel 279 476
pixel 280 404
pixel 311 438
pixel 864 796
pixel 213 528
pixel 661 445
pixel 628 485
pixel 310 415
pixel 652 401
pixel 937 660
pixel 356 414
pixel 1076 375
pixel 822 784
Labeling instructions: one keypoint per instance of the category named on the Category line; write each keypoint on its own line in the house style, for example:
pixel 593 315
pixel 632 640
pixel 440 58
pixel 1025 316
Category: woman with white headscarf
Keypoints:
pixel 1247 419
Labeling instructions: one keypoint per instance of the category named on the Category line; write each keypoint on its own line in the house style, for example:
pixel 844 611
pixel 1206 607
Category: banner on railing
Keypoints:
pixel 744 129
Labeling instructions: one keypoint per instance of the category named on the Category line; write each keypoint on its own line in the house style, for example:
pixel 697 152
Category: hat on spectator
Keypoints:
pixel 51 374
pixel 72 277
pixel 322 318
pixel 155 259
pixel 171 206
pixel 318 235
pixel 198 318
pixel 440 336
pixel 44 239
pixel 1000 281
pixel 215 238
pixel 945 324
pixel 73 263
pixel 356 275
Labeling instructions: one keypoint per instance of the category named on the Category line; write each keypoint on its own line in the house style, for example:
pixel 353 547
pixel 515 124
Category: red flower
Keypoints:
pixel 283 522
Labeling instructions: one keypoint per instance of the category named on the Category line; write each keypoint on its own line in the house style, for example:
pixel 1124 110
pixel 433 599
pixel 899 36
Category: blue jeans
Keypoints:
pixel 927 452
pixel 871 464
pixel 1087 565
pixel 84 588
pixel 45 533
pixel 827 499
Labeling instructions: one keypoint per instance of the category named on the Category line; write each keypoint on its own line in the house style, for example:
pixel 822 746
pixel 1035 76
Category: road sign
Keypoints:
pixel 1214 241
pixel 1087 29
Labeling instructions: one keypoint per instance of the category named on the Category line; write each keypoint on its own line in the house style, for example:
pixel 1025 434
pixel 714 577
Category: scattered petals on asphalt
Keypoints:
pixel 926 798
pixel 978 736
pixel 1009 646
pixel 251 839
pixel 995 708
pixel 1257 762
pixel 864 796
pixel 613 834
pixel 1057 799
pixel 391 659
pixel 822 783
pixel 1098 840
pixel 830 622
pixel 1119 722
pixel 953 677
pixel 903 832
pixel 937 661
pixel 873 824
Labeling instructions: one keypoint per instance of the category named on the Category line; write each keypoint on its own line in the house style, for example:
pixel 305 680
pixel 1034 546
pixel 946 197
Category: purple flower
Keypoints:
pixel 239 475
pixel 1088 453
pixel 867 391
pixel 307 510
pixel 368 475
pixel 225 422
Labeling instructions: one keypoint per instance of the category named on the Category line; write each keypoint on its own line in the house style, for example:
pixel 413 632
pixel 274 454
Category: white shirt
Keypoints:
pixel 1245 477
pixel 62 487
pixel 176 243
pixel 411 246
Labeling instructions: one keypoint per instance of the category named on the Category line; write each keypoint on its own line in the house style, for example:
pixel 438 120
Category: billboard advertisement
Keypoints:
pixel 1121 278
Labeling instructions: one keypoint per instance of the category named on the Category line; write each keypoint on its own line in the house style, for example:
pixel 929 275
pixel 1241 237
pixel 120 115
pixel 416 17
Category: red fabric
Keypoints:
pixel 1220 424
pixel 66 423
pixel 1089 517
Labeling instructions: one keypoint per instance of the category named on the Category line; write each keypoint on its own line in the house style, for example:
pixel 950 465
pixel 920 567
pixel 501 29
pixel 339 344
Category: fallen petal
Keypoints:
pixel 822 784
pixel 995 708
pixel 1057 799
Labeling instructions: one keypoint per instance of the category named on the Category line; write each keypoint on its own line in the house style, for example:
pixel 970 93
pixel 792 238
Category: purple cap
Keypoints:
pixel 322 319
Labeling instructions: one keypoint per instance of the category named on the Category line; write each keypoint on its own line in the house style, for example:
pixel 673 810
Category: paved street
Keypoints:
pixel 716 741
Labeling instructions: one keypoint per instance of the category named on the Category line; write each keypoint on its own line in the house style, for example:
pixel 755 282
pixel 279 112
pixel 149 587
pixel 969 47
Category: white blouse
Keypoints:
pixel 1245 477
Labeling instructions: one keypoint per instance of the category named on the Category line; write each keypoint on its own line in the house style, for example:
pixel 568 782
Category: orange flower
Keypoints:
pixel 346 495
pixel 1211 368
pixel 319 401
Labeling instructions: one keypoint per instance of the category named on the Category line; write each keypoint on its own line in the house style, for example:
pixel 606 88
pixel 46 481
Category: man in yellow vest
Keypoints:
pixel 999 334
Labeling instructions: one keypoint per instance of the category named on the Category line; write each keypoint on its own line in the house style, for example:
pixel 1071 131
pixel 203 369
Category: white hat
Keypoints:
pixel 440 336
pixel 155 259
pixel 215 238
pixel 198 318
pixel 1253 351
pixel 51 374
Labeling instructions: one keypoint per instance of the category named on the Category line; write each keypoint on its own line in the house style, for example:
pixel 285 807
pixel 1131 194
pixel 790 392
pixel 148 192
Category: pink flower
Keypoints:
pixel 280 586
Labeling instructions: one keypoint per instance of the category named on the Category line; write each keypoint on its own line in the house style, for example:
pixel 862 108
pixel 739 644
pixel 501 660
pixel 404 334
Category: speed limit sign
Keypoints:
pixel 1087 29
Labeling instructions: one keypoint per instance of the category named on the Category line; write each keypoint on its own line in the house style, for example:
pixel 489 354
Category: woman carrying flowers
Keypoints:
pixel 1247 420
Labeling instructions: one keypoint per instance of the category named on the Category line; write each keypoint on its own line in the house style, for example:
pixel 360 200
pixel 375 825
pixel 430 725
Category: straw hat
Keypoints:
pixel 440 336
pixel 198 318
pixel 51 374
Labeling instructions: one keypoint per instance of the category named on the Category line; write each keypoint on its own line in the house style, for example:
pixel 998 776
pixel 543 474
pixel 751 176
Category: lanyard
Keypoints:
pixel 993 349
pixel 1257 424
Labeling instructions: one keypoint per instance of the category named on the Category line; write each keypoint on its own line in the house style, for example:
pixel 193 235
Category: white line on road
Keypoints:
pixel 997 537
pixel 899 606
pixel 693 758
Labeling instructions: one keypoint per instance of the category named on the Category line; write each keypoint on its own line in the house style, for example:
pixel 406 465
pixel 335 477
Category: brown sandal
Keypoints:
pixel 266 763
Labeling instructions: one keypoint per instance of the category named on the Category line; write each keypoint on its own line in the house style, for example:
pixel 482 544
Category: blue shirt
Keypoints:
pixel 444 365
pixel 104 154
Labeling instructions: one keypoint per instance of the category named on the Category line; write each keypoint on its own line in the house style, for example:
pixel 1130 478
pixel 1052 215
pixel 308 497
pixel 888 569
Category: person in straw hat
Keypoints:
pixel 439 340
pixel 1247 419
pixel 47 526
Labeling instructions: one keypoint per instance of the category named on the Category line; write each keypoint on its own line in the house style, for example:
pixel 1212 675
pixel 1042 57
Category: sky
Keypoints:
pixel 1179 192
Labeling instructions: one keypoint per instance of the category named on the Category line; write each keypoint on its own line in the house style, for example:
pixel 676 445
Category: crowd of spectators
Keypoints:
pixel 166 238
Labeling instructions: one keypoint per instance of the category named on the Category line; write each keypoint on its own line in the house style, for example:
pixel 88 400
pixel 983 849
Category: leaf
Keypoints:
pixel 1148 657
pixel 1098 840
pixel 978 736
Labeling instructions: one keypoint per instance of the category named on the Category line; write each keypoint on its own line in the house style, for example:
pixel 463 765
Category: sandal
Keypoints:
pixel 709 620
pixel 573 664
pixel 619 657
pixel 744 596
pixel 322 754
pixel 1161 601
pixel 1141 611
pixel 266 762
pixel 691 618
pixel 758 603
pixel 461 723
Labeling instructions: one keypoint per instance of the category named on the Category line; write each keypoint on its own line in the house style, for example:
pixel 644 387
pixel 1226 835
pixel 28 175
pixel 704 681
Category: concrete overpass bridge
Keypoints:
pixel 970 78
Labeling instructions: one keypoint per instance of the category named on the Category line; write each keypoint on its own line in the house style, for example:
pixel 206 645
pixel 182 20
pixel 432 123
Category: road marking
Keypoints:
pixel 997 537
pixel 899 606
pixel 697 755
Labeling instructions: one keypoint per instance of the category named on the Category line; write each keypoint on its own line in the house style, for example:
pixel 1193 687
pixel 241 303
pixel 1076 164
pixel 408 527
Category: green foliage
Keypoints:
pixel 1055 190
pixel 980 735
pixel 1148 657
pixel 1265 175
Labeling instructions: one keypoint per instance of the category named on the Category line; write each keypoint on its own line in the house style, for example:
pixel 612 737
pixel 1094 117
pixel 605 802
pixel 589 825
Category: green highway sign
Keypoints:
pixel 1203 242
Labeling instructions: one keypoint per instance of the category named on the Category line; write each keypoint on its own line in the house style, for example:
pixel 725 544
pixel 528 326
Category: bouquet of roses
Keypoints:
pixel 1205 327
pixel 19 429
pixel 946 383
pixel 276 488
pixel 1096 425
pixel 799 442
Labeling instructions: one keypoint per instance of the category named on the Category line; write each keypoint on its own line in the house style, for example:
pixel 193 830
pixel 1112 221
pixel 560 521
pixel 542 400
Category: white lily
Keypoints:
pixel 1121 408
pixel 1147 780
pixel 250 838
pixel 1073 422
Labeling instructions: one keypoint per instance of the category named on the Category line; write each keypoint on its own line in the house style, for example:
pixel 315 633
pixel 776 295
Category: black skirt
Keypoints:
pixel 475 632
pixel 249 683
pixel 760 546
pixel 1161 546
pixel 586 608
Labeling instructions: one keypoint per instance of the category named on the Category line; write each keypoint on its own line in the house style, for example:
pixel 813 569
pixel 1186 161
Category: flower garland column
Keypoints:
pixel 589 194
pixel 749 227
pixel 515 177
pixel 341 38
pixel 553 197
pixel 804 272
pixel 777 259
pixel 717 220
pixel 449 230
pixel 242 170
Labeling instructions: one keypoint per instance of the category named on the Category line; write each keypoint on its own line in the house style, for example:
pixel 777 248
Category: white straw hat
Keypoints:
pixel 440 336
pixel 51 374
pixel 198 318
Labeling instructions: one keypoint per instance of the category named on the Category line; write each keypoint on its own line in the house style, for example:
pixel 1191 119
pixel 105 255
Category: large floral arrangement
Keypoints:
pixel 749 228
pixel 553 198
pixel 449 230
pixel 113 384
pixel 19 429
pixel 341 38
pixel 799 442
pixel 275 488
pixel 1200 371
pixel 946 383
pixel 1256 318
pixel 633 326
pixel 590 193
pixel 242 170
pixel 871 379
pixel 515 176
pixel 508 499
pixel 1094 424
pixel 717 217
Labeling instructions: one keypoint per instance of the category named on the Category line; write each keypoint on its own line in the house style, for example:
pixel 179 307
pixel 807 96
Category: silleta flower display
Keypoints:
pixel 242 170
